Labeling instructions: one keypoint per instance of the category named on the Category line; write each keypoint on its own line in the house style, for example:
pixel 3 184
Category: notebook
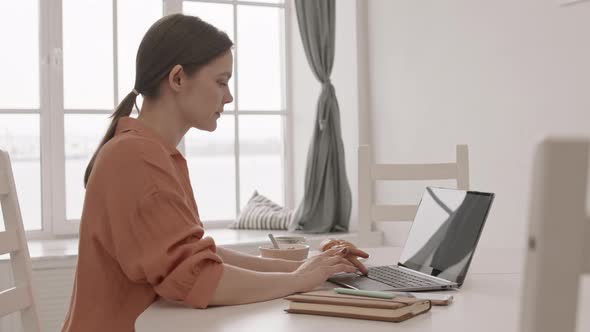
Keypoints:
pixel 439 247
pixel 328 303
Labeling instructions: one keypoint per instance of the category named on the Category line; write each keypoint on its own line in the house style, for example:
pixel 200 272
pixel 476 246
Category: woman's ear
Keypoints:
pixel 176 77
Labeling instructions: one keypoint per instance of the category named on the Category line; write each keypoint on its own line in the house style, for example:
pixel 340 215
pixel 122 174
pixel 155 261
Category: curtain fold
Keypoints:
pixel 327 198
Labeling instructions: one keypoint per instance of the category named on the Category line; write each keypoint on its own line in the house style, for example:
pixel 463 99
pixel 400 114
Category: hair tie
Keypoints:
pixel 135 92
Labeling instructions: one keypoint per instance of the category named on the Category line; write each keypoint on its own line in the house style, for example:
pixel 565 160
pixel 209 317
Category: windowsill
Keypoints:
pixel 247 240
pixel 240 238
pixel 50 249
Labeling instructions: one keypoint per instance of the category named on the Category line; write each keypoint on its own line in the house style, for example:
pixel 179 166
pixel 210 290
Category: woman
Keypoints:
pixel 140 235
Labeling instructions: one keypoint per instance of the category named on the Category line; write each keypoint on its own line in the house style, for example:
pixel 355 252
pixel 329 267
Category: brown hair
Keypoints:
pixel 173 39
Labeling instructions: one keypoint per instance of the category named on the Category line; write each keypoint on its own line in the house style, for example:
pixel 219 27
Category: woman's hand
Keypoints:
pixel 317 269
pixel 353 252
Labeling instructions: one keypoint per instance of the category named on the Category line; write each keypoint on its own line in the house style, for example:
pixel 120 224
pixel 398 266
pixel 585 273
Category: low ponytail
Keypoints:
pixel 124 109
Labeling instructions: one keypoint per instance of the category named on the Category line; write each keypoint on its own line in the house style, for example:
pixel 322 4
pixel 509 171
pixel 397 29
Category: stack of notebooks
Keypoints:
pixel 328 303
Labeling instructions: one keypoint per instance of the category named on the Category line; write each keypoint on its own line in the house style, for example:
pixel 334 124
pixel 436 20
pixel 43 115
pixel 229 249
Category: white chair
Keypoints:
pixel 369 172
pixel 13 241
pixel 558 236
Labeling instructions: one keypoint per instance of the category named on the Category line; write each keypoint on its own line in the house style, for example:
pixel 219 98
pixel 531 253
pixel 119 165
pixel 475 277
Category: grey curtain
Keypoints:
pixel 327 199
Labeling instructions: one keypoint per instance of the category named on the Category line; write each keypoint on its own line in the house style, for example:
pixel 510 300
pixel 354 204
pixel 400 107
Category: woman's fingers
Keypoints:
pixel 332 251
pixel 342 268
pixel 338 260
pixel 357 252
pixel 352 250
pixel 357 264
pixel 351 255
pixel 318 269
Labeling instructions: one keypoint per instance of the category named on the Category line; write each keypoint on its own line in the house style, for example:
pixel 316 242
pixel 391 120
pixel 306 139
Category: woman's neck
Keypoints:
pixel 164 120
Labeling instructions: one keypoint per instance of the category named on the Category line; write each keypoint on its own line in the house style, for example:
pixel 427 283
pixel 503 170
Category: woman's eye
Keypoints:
pixel 223 83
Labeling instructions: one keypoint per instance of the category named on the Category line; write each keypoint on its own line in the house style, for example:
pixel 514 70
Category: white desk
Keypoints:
pixel 488 301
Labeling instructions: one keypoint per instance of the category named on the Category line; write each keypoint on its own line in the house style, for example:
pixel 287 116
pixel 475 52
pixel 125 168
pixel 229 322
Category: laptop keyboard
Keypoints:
pixel 398 278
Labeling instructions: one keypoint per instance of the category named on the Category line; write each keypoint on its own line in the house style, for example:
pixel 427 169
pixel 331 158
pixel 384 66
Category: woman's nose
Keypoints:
pixel 228 98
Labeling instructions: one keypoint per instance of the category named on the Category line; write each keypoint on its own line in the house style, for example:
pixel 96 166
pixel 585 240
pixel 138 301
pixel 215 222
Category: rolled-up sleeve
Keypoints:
pixel 163 244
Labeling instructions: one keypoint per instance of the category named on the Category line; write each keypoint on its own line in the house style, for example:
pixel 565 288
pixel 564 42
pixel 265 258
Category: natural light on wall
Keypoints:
pixel 70 77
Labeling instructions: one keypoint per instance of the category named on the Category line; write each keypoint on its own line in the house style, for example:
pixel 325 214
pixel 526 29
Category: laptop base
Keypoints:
pixel 358 281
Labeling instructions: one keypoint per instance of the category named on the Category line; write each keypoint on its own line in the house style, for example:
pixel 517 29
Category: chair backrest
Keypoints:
pixel 369 172
pixel 13 242
pixel 558 236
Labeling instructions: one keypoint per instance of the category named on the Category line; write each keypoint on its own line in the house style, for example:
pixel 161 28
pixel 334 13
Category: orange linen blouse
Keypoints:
pixel 140 235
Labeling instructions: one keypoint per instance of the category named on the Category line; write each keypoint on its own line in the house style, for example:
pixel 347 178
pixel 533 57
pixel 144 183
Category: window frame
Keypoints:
pixel 284 112
pixel 52 112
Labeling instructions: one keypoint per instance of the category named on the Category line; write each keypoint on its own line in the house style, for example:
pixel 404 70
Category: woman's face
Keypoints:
pixel 204 94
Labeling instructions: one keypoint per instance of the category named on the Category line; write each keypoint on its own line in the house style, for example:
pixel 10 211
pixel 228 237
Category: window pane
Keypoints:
pixel 132 26
pixel 88 54
pixel 211 163
pixel 219 15
pixel 259 58
pixel 19 135
pixel 83 133
pixel 261 161
pixel 20 83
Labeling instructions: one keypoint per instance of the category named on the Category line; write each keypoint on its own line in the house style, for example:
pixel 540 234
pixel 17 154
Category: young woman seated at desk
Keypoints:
pixel 140 233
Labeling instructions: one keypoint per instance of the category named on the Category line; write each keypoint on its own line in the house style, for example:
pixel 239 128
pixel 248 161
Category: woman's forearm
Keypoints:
pixel 254 263
pixel 240 286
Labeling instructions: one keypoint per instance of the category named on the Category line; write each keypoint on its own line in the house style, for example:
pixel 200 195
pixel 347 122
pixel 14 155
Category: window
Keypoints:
pixel 246 152
pixel 20 105
pixel 98 71
pixel 76 68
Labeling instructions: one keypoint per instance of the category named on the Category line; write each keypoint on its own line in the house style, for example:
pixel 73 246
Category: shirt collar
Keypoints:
pixel 126 124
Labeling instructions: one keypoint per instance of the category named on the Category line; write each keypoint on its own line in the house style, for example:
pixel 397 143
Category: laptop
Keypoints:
pixel 439 247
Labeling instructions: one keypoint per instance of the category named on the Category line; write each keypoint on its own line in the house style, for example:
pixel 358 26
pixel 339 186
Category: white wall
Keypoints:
pixel 497 75
pixel 305 91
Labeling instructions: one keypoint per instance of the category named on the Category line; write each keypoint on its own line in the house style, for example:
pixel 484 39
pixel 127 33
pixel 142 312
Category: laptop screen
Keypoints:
pixel 445 231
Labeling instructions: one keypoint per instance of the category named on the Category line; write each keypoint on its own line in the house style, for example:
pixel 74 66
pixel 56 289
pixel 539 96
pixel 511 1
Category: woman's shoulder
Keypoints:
pixel 132 166
pixel 133 151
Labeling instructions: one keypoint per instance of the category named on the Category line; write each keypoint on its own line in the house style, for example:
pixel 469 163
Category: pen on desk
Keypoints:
pixel 358 292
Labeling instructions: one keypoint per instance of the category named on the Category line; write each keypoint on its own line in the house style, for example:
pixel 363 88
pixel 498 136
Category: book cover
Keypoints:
pixel 328 303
